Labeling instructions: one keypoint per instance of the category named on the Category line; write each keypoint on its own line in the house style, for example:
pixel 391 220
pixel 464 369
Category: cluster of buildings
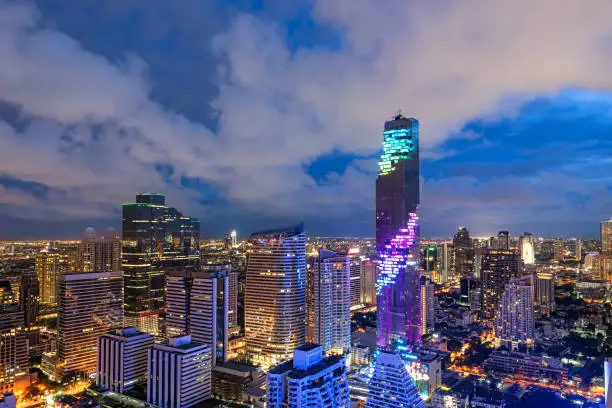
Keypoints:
pixel 157 318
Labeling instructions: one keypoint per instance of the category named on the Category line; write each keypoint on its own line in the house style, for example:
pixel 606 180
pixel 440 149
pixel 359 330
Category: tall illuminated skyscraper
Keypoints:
pixel 464 253
pixel 527 248
pixel 331 302
pixel 50 264
pixel 275 295
pixel 397 233
pixel 155 237
pixel 498 267
pixel 514 317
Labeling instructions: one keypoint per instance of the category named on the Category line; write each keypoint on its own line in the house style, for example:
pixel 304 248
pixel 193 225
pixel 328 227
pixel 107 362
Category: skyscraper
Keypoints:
pixel 14 363
pixel 503 240
pixel 427 305
pixel 606 237
pixel 275 295
pixel 498 267
pixel 331 303
pixel 95 254
pixel 544 299
pixel 464 253
pixel 397 233
pixel 50 264
pixel 368 282
pixel 90 305
pixel 198 304
pixel 122 359
pixel 514 317
pixel 179 374
pixel 155 237
pixel 355 272
pixel 447 262
pixel 527 248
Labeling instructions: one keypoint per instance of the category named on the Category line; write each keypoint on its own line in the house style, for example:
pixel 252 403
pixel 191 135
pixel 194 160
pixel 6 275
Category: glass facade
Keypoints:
pixel 397 233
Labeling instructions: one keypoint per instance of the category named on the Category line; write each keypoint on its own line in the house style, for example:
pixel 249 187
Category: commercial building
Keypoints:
pixel 445 398
pixel 527 247
pixel 397 233
pixel 531 366
pixel 275 295
pixel 330 307
pixel 368 283
pixel 391 384
pixel 514 318
pixel 179 373
pixel 427 305
pixel 308 381
pixel 198 304
pixel 155 237
pixel 498 267
pixel 231 380
pixel 90 305
pixel 606 237
pixel 14 357
pixel 544 299
pixel 122 359
pixel 355 275
pixel 464 253
pixel 49 265
pixel 95 254
pixel 447 262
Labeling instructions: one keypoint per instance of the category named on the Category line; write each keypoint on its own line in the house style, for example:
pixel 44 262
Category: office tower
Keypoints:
pixel 368 283
pixel 102 254
pixel 232 314
pixel 308 381
pixel 527 247
pixel 90 305
pixel 275 295
pixel 391 384
pixel 558 250
pixel 447 262
pixel 155 237
pixel 468 289
pixel 606 237
pixel 14 357
pixel 514 320
pixel 198 304
pixel 179 373
pixel 544 293
pixel 577 249
pixel 122 359
pixel 49 265
pixel 478 262
pixel 464 253
pixel 331 302
pixel 498 267
pixel 397 233
pixel 29 298
pixel 427 305
pixel 503 240
pixel 355 273
pixel 429 262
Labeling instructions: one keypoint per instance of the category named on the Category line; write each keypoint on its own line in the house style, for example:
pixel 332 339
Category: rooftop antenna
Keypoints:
pixel 398 114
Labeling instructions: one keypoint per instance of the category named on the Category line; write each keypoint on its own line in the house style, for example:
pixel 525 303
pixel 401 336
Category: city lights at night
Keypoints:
pixel 305 204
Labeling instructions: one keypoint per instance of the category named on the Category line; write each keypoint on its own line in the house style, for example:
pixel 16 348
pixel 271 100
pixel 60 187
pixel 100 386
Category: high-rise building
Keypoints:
pixel 447 262
pixel 514 317
pixel 606 237
pixel 464 253
pixel 198 304
pixel 558 250
pixel 355 272
pixel 179 373
pixel 14 362
pixel 331 302
pixel 427 305
pixel 429 262
pixel 90 305
pixel 308 381
pixel 50 264
pixel 527 247
pixel 498 267
pixel 368 282
pixel 232 314
pixel 391 384
pixel 122 359
pixel 503 240
pixel 544 299
pixel 275 295
pixel 397 233
pixel 102 254
pixel 155 237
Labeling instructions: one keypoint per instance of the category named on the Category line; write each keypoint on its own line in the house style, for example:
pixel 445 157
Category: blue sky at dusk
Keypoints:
pixel 255 114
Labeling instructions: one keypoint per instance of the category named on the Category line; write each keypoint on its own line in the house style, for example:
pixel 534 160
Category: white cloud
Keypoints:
pixel 97 134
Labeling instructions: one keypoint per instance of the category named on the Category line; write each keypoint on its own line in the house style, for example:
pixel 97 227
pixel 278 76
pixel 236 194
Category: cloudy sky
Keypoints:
pixel 253 114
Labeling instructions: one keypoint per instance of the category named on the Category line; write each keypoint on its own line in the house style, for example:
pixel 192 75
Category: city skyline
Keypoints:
pixel 242 146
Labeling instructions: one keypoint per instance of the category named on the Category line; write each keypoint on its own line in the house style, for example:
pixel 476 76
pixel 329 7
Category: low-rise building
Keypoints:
pixel 530 366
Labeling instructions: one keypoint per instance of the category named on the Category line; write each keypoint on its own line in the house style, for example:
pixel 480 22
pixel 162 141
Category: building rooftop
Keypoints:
pixel 307 347
pixel 289 231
